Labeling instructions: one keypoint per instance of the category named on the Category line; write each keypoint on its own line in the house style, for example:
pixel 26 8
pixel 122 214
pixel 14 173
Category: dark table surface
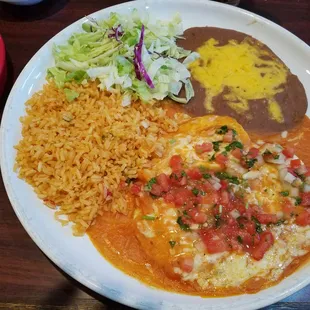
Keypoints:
pixel 28 280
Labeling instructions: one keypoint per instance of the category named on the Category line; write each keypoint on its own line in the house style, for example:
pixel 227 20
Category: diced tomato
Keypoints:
pixel 176 163
pixel 224 184
pixel 187 264
pixel 136 188
pixel 247 225
pixel 169 198
pixel 266 241
pixel 194 173
pixel 214 241
pixel 305 199
pixel 224 197
pixel 267 218
pixel 156 190
pixel 303 218
pixel 221 159
pixel 295 163
pixel 197 216
pixel 182 196
pixel 253 152
pixel 288 208
pixel 288 152
pixel 228 137
pixel 237 153
pixel 211 198
pixel 164 181
pixel 203 148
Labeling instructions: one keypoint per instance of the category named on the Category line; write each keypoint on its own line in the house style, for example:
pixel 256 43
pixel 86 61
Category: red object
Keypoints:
pixel 266 241
pixel 221 159
pixel 295 163
pixel 203 148
pixel 303 219
pixel 176 163
pixel 2 66
pixel 288 152
pixel 253 152
pixel 194 173
pixel 214 241
pixel 164 181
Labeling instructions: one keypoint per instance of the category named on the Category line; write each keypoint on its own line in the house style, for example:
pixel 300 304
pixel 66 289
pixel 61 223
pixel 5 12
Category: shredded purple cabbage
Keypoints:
pixel 137 60
pixel 117 33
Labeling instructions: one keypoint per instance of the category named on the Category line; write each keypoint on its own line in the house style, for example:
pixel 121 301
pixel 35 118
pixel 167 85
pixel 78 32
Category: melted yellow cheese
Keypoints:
pixel 242 72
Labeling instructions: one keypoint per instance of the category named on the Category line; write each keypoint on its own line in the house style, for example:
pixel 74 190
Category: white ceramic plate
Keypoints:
pixel 77 256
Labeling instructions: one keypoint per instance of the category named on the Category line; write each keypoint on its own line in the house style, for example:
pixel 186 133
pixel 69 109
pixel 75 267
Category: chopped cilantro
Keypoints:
pixel 128 180
pixel 234 133
pixel 276 156
pixel 212 157
pixel 240 240
pixel 225 153
pixel 206 176
pixel 258 226
pixel 225 176
pixel 297 201
pixel 174 176
pixel 280 222
pixel 222 130
pixel 172 141
pixel 149 217
pixel 195 191
pixel 284 193
pixel 183 173
pixel 217 220
pixel 267 152
pixel 150 183
pixel 182 225
pixel 250 162
pixel 172 243
pixel 234 145
pixel 241 225
pixel 185 213
pixel 216 145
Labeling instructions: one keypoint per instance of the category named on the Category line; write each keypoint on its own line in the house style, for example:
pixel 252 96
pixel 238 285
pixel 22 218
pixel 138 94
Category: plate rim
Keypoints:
pixel 35 236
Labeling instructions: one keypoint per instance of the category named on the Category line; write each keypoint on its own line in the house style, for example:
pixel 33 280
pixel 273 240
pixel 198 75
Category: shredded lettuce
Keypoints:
pixel 107 50
pixel 71 94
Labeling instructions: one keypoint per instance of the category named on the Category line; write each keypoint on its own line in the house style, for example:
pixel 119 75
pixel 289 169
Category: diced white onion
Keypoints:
pixel 279 161
pixel 289 178
pixel 282 173
pixel 251 175
pixel 260 160
pixel 260 142
pixel 306 188
pixel 235 169
pixel 216 186
pixel 307 180
pixel 234 213
pixel 294 191
pixel 284 134
pixel 214 180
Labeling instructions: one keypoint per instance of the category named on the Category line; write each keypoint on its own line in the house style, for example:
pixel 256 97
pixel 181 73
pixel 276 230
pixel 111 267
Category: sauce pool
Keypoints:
pixel 114 235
